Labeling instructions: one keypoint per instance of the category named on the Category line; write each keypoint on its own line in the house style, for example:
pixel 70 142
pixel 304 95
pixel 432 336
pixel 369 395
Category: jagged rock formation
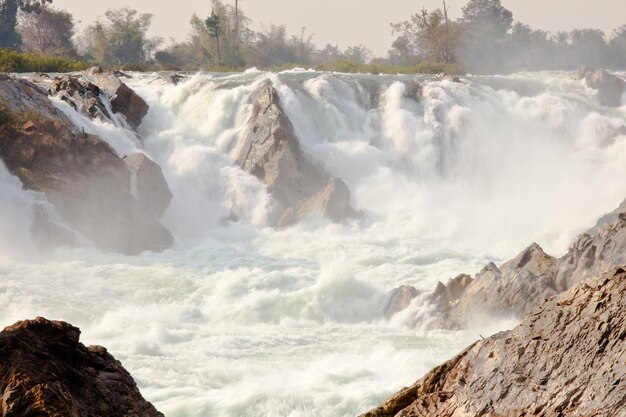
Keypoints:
pixel 566 358
pixel 271 152
pixel 84 92
pixel 46 372
pixel 148 185
pixel 532 276
pixel 399 299
pixel 610 88
pixel 81 175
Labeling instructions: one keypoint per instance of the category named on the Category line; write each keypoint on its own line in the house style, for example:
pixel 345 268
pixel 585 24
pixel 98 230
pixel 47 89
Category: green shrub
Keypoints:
pixel 381 68
pixel 11 61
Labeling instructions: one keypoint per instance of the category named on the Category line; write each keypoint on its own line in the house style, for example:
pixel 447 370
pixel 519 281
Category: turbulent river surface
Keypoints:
pixel 240 319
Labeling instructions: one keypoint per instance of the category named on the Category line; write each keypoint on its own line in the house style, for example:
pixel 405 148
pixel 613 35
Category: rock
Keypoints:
pixel 510 290
pixel 81 175
pixel 82 95
pixel 332 201
pixel 46 372
pixel 48 234
pixel 566 358
pixel 399 299
pixel 148 185
pixel 123 99
pixel 610 87
pixel 271 152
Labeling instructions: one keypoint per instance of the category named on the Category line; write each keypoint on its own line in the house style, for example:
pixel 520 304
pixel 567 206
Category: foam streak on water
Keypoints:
pixel 240 319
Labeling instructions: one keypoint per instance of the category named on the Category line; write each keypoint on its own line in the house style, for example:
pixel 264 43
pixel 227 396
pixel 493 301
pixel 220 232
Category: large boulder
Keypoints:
pixel 610 87
pixel 566 358
pixel 46 372
pixel 271 152
pixel 399 299
pixel 84 96
pixel 332 202
pixel 148 185
pixel 81 175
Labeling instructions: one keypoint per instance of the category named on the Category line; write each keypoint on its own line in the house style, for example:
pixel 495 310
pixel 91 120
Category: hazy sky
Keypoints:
pixel 349 22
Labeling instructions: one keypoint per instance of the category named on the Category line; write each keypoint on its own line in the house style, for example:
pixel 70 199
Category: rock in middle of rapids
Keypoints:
pixel 271 152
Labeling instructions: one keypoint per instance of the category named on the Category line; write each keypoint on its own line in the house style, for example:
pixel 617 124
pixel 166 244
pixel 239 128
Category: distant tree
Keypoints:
pixel 49 32
pixel 617 47
pixel 302 47
pixel 486 24
pixel 330 53
pixel 213 27
pixel 9 38
pixel 358 53
pixel 589 48
pixel 120 39
pixel 426 36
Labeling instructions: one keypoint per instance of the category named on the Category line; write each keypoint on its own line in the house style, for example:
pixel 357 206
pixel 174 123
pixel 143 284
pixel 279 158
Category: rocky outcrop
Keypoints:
pixel 85 92
pixel 271 152
pixel 332 202
pixel 82 176
pixel 566 358
pixel 610 88
pixel 148 185
pixel 46 372
pixel 531 277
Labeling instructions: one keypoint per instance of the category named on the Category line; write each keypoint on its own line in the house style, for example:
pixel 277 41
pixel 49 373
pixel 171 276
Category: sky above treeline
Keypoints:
pixel 350 22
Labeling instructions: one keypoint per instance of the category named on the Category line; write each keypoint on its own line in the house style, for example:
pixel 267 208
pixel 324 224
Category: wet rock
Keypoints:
pixel 81 175
pixel 148 185
pixel 332 202
pixel 123 99
pixel 271 152
pixel 564 359
pixel 49 234
pixel 80 94
pixel 399 299
pixel 510 290
pixel 610 87
pixel 46 372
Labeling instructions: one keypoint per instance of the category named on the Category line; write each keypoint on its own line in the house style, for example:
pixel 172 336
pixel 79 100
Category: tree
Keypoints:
pixel 121 39
pixel 486 24
pixel 47 32
pixel 426 36
pixel 617 46
pixel 357 53
pixel 213 27
pixel 9 38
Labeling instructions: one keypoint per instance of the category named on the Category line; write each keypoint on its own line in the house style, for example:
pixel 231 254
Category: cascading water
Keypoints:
pixel 241 319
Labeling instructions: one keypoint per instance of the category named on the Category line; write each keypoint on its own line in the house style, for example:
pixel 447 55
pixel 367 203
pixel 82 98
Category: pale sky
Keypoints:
pixel 350 22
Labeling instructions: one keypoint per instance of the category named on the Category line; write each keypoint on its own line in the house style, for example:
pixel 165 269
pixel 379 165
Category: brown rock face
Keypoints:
pixel 399 299
pixel 80 174
pixel 46 372
pixel 566 358
pixel 610 88
pixel 332 201
pixel 149 185
pixel 272 153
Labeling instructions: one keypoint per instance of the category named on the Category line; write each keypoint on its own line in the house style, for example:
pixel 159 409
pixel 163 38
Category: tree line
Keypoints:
pixel 484 39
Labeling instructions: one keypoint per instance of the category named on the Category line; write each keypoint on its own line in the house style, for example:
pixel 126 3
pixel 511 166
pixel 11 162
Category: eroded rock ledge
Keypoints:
pixel 46 372
pixel 566 358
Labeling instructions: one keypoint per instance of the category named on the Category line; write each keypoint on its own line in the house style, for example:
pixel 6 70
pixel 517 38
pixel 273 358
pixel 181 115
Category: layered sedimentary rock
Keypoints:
pixel 610 88
pixel 81 175
pixel 46 372
pixel 566 358
pixel 271 152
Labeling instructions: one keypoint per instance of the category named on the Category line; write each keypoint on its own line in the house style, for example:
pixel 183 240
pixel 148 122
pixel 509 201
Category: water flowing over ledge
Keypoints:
pixel 244 319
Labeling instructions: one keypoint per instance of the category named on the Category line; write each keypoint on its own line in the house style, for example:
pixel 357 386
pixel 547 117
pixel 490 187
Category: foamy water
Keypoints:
pixel 239 319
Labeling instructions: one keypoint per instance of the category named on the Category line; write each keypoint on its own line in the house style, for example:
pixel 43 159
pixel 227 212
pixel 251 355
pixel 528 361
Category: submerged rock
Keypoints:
pixel 46 372
pixel 271 152
pixel 81 175
pixel 565 358
pixel 610 87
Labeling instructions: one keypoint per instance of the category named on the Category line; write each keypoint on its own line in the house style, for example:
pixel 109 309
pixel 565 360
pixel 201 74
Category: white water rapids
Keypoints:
pixel 240 319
